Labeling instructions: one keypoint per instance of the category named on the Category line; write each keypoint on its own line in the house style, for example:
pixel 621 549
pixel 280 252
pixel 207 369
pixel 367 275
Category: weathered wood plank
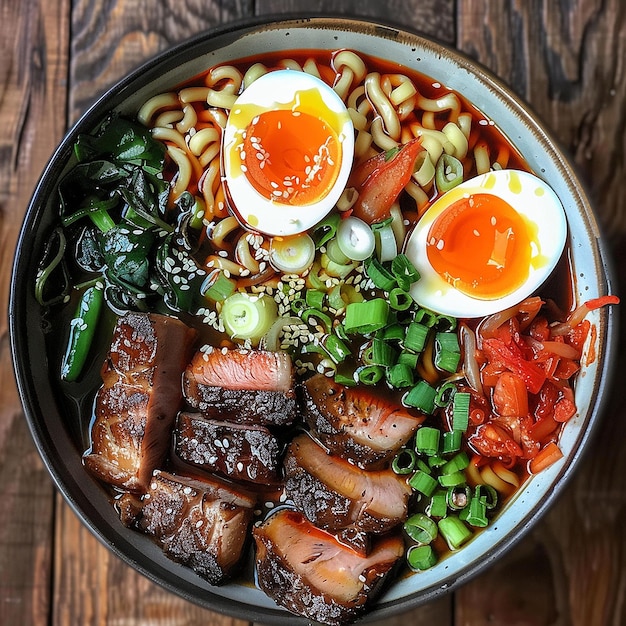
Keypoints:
pixel 431 17
pixel 566 59
pixel 109 38
pixel 32 110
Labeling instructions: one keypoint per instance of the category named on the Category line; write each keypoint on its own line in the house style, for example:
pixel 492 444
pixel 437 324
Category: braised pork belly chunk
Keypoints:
pixel 335 494
pixel 238 451
pixel 357 423
pixel 309 572
pixel 141 394
pixel 246 386
pixel 200 522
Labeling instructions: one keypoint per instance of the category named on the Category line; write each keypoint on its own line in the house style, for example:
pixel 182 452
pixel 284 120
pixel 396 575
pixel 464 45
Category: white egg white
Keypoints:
pixel 276 90
pixel 532 198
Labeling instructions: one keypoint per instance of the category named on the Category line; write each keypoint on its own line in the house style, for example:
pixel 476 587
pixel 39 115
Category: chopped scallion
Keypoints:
pixel 420 558
pixel 370 374
pixel 454 531
pixel 423 482
pixel 460 410
pixel 404 462
pixel 421 528
pixel 452 440
pixel 415 336
pixel 367 316
pixel 400 375
pixel 456 464
pixel 380 275
pixel 404 272
pixel 399 299
pixel 421 396
pixel 427 440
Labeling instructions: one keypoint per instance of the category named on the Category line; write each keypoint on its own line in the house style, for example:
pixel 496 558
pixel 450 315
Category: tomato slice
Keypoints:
pixel 380 180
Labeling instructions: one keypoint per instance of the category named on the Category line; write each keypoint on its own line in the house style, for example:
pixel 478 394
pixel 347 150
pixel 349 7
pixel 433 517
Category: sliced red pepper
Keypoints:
pixel 380 180
pixel 531 373
pixel 510 396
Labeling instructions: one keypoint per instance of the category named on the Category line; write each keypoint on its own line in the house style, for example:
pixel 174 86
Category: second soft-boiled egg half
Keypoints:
pixel 287 152
pixel 487 244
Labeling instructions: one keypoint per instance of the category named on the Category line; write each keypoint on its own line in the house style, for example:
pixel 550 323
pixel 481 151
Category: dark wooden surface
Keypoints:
pixel 568 59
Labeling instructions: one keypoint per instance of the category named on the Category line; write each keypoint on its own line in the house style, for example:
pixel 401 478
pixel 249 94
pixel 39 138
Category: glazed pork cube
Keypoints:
pixel 141 394
pixel 245 386
pixel 357 423
pixel 335 494
pixel 238 451
pixel 310 573
pixel 200 522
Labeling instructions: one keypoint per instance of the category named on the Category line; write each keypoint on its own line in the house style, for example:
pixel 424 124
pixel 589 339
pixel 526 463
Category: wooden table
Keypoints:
pixel 567 59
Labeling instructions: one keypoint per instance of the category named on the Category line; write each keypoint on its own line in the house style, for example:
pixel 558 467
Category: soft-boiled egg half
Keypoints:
pixel 487 244
pixel 287 152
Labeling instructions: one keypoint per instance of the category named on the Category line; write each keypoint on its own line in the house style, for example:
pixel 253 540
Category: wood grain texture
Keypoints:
pixel 431 17
pixel 32 109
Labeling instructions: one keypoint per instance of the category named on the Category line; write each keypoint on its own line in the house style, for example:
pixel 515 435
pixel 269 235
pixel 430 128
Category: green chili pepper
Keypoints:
pixel 82 329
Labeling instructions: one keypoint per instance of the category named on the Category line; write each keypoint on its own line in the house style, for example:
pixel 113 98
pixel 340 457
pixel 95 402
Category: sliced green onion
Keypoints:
pixel 408 358
pixel 336 348
pixel 427 440
pixel 293 254
pixel 456 464
pixel 336 254
pixel 298 305
pixel 454 531
pixel 399 299
pixel 393 332
pixel 315 318
pixel 386 244
pixel 337 270
pixel 446 323
pixel 336 298
pixel 404 462
pixel 458 497
pixel 217 286
pixel 421 396
pixel 383 353
pixel 415 336
pixel 445 393
pixel 460 410
pixel 421 528
pixel 400 375
pixel 248 316
pixel 420 558
pixel 448 172
pixel 452 440
pixel 380 275
pixel 325 230
pixel 82 331
pixel 438 505
pixel 426 317
pixel 477 513
pixel 314 298
pixel 489 498
pixel 367 316
pixel 404 272
pixel 423 483
pixel 436 461
pixel 345 380
pixel 370 374
pixel 355 238
pixel 447 351
pixel 454 479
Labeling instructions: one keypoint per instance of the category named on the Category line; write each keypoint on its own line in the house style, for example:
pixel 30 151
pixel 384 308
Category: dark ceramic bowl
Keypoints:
pixel 57 440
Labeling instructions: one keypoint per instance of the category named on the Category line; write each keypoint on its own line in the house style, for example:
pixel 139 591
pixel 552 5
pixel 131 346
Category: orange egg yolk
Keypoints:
pixel 482 246
pixel 290 156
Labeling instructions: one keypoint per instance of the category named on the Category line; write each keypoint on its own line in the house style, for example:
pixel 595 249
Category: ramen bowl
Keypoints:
pixel 59 433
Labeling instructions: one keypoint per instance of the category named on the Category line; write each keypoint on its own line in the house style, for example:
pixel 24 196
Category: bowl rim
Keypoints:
pixel 20 342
